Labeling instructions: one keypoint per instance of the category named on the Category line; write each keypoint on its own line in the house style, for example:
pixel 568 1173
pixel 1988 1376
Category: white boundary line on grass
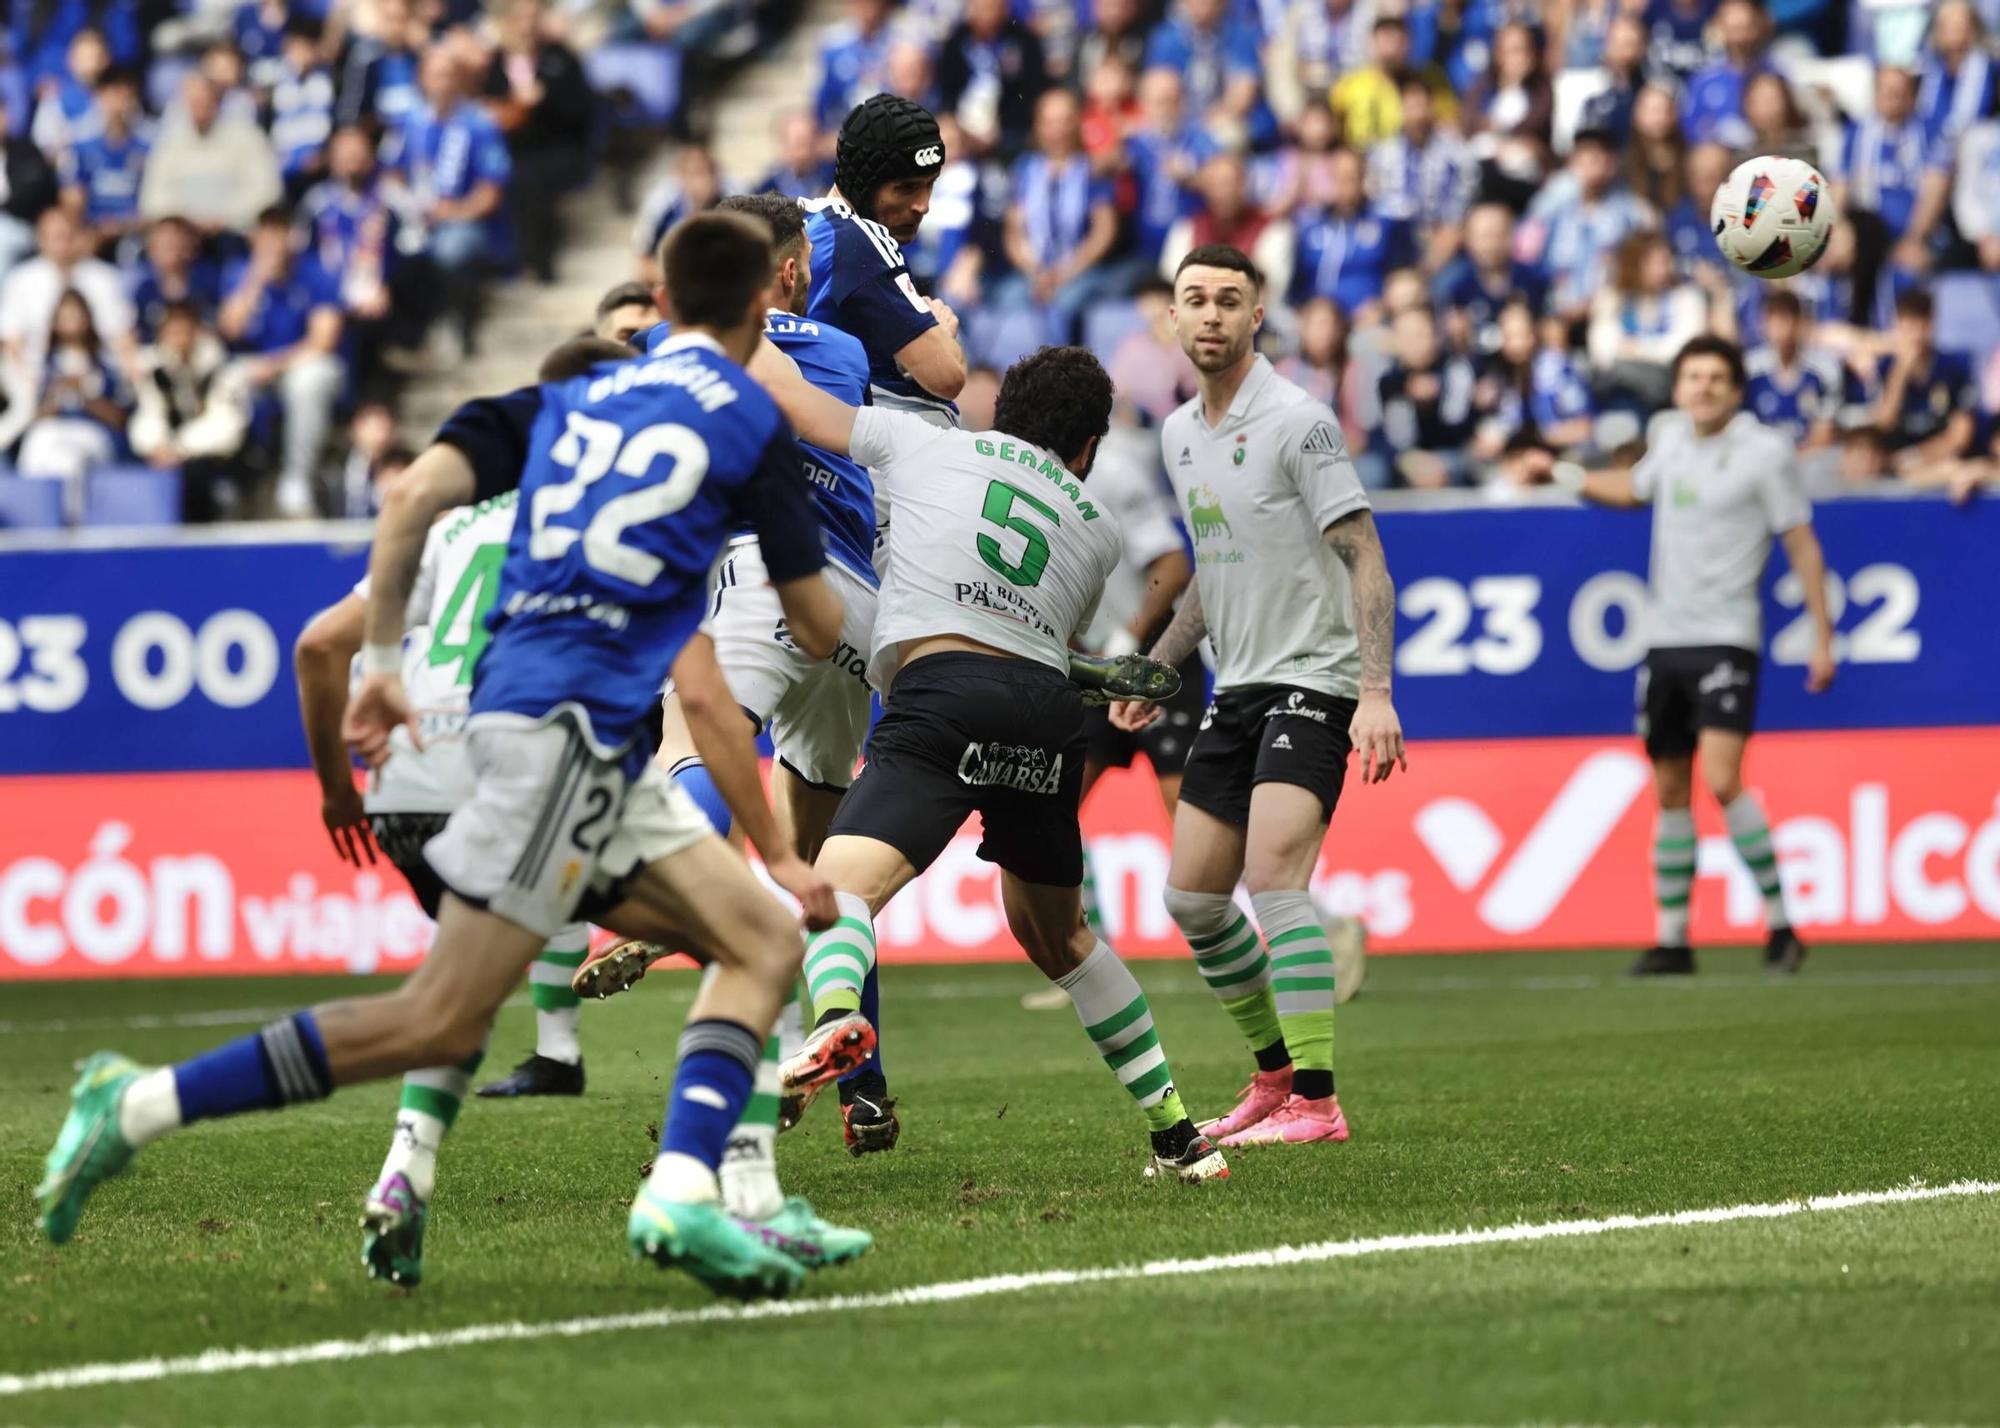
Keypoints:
pixel 217 1361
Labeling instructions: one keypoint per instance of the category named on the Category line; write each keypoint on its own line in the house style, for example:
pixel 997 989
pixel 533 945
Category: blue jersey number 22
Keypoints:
pixel 593 449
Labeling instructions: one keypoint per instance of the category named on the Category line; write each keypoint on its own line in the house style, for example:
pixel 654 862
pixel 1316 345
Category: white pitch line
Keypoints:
pixel 217 1361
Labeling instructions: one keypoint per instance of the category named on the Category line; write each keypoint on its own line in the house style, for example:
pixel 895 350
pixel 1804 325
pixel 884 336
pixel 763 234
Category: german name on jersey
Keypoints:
pixel 836 363
pixel 631 479
pixel 861 284
pixel 1259 490
pixel 993 539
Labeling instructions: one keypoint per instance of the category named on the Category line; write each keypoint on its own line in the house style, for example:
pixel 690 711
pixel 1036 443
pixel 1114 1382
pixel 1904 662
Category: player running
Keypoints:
pixel 997 559
pixel 1292 589
pixel 633 479
pixel 1721 485
pixel 886 160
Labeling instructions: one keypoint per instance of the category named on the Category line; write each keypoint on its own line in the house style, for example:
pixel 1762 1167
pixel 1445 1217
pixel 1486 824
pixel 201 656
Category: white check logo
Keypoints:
pixel 1466 843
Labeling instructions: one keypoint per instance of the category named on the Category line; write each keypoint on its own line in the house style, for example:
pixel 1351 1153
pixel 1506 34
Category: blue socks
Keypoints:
pixel 283 1063
pixel 871 1007
pixel 712 1083
pixel 693 777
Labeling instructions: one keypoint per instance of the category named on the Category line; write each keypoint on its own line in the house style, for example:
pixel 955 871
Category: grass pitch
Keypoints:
pixel 1483 1091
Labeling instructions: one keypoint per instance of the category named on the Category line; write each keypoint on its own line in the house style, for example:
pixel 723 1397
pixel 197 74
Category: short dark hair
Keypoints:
pixel 276 216
pixel 787 219
pixel 180 310
pixel 632 294
pixel 1153 283
pixel 1390 22
pixel 1786 301
pixel 715 265
pixel 1220 255
pixel 1057 398
pixel 1597 138
pixel 119 76
pixel 1916 302
pixel 1709 345
pixel 578 355
pixel 301 26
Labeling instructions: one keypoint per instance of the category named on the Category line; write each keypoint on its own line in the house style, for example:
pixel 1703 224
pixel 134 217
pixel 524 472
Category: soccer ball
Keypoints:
pixel 1772 217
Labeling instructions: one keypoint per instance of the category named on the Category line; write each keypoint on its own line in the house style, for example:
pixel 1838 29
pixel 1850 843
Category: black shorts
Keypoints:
pixel 1683 691
pixel 1271 733
pixel 965 733
pixel 1165 741
pixel 401 837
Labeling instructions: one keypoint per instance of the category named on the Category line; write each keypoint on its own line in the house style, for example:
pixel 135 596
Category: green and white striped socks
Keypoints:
pixel 1301 985
pixel 1093 915
pixel 557 1008
pixel 1751 833
pixel 838 959
pixel 1231 959
pixel 431 1101
pixel 1115 1016
pixel 1673 874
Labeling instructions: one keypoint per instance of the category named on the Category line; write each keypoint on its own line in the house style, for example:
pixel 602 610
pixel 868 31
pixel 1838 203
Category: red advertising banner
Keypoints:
pixel 1531 843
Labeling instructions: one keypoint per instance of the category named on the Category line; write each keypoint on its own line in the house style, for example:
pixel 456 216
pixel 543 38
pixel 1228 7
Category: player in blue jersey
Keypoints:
pixel 816 709
pixel 887 158
pixel 632 479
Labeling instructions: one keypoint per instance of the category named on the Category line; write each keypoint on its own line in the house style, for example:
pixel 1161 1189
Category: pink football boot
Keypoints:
pixel 1296 1122
pixel 1266 1092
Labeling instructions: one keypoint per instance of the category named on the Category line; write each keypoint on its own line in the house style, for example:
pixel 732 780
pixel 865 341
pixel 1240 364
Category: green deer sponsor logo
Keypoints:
pixel 1205 513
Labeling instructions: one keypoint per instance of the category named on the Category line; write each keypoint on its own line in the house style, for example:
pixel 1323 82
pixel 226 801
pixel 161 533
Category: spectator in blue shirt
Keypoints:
pixel 1484 279
pixel 1577 219
pixel 1686 223
pixel 301 88
pixel 40 32
pixel 1531 392
pixel 351 230
pixel 1164 153
pixel 801 171
pixel 1426 176
pixel 853 62
pixel 1956 84
pixel 171 273
pixel 1676 30
pixel 1890 169
pixel 1427 398
pixel 452 160
pixel 282 312
pixel 259 30
pixel 1792 386
pixel 695 184
pixel 1221 69
pixel 84 403
pixel 102 175
pixel 1626 73
pixel 541 99
pixel 1062 223
pixel 376 76
pixel 1714 96
pixel 1347 250
pixel 66 114
pixel 991 72
pixel 1926 401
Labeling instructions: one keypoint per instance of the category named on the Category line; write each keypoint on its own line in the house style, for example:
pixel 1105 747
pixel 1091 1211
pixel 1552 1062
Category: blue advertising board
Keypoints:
pixel 1513 622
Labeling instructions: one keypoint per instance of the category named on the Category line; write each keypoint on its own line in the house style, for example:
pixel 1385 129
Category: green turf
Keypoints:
pixel 1483 1091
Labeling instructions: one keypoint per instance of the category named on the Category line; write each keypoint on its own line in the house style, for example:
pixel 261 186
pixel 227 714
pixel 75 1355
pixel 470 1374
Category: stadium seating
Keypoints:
pixel 132 496
pixel 28 504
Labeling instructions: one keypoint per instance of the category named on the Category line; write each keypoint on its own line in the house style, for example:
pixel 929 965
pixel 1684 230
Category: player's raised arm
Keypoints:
pixel 1376 732
pixel 321 658
pixel 1612 486
pixel 825 421
pixel 934 358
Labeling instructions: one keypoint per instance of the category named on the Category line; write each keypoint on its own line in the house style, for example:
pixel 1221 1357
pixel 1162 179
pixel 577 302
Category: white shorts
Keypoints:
pixel 816 709
pixel 554 828
pixel 434 779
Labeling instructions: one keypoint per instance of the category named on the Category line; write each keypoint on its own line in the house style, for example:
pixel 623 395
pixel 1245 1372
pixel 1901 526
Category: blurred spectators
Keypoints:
pixel 853 63
pixel 352 230
pixel 33 289
pixel 1327 371
pixel 1148 368
pixel 1226 215
pixel 1530 393
pixel 376 73
pixel 1655 167
pixel 1892 180
pixel 1117 29
pixel 1577 219
pixel 694 185
pixel 1426 398
pixel 1061 225
pixel 1794 386
pixel 1926 401
pixel 802 170
pixel 170 270
pixel 80 414
pixel 216 172
pixel 1512 109
pixel 1714 99
pixel 66 112
pixel 193 413
pixel 1220 68
pixel 1164 153
pixel 1347 250
pixel 371 438
pixel 281 310
pixel 1956 89
pixel 625 311
pixel 301 101
pixel 990 74
pixel 543 105
pixel 1485 279
pixel 1424 177
pixel 101 174
pixel 1975 199
pixel 451 163
pixel 1626 71
pixel 1640 320
pixel 1369 100
pixel 1316 42
pixel 27 188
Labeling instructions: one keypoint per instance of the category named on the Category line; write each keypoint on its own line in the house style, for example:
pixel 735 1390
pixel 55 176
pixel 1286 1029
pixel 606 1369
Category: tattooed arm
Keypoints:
pixel 1376 732
pixel 1189 625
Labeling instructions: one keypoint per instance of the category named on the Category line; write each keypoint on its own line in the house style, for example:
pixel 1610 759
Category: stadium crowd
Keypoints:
pixel 226 225
pixel 1483 223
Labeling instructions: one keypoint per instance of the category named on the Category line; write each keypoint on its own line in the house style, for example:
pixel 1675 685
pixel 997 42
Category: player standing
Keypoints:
pixel 1721 485
pixel 633 479
pixel 997 560
pixel 1292 589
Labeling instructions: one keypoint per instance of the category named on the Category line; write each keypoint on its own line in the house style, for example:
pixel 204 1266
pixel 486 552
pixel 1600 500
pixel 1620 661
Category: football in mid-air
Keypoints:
pixel 1773 216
